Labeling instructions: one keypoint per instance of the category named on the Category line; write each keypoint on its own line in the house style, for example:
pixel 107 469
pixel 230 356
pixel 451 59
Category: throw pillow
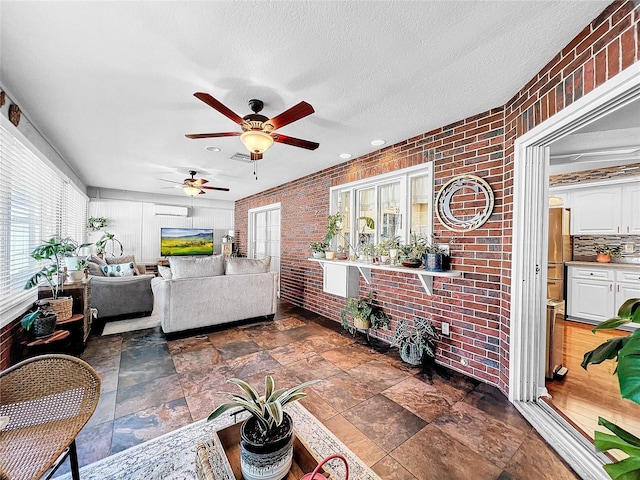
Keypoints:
pixel 165 272
pixel 95 265
pixel 119 270
pixel 239 266
pixel 190 267
pixel 124 259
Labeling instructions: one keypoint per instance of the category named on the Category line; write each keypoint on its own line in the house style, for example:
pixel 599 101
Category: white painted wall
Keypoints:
pixel 138 228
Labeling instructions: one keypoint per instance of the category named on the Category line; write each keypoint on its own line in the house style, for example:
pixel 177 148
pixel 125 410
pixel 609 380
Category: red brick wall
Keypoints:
pixel 477 305
pixel 9 336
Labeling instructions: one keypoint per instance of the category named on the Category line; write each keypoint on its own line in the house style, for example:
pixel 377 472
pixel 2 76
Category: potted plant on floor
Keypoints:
pixel 53 251
pixel 414 344
pixel 365 315
pixel 266 448
pixel 626 352
pixel 39 323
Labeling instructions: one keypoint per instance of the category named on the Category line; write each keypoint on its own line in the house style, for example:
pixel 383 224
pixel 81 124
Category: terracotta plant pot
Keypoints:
pixel 361 323
pixel 603 258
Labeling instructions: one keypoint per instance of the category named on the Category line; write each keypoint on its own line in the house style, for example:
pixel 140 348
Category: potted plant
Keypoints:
pixel 96 223
pixel 227 238
pixel 365 315
pixel 382 252
pixel 39 323
pixel 414 251
pixel 624 350
pixel 436 256
pixel 266 437
pixel 72 257
pixel 54 251
pixel 318 249
pixel 108 244
pixel 414 344
pixel 605 252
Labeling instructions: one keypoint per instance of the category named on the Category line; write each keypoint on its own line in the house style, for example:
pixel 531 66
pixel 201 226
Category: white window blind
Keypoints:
pixel 35 204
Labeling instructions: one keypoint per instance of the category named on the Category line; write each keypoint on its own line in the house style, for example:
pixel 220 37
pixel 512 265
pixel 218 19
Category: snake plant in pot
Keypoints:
pixel 626 351
pixel 266 448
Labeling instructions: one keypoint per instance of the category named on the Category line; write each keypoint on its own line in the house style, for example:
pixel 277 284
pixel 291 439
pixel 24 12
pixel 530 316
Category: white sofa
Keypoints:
pixel 213 290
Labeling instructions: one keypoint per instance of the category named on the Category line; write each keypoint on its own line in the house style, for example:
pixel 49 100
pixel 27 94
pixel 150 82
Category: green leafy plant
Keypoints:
pixel 30 318
pixel 608 250
pixel 334 222
pixel 626 352
pixel 364 308
pixel 54 250
pixel 109 241
pixel 96 223
pixel 267 409
pixel 421 339
pixel 318 247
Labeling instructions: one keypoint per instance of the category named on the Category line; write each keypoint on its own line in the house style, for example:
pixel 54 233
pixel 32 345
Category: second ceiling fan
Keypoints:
pixel 258 131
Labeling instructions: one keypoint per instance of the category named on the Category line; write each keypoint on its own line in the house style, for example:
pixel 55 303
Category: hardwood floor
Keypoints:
pixel 584 395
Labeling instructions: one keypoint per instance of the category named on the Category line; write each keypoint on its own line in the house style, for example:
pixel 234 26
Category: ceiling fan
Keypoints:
pixel 194 186
pixel 257 130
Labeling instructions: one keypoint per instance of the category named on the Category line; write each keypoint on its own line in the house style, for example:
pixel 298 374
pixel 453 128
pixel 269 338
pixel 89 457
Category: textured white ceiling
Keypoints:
pixel 110 84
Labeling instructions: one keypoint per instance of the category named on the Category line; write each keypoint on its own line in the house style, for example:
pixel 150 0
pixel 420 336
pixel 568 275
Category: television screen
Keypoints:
pixel 186 241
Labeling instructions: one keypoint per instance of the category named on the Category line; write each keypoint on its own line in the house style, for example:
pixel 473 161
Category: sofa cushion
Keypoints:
pixel 240 266
pixel 119 270
pixel 190 267
pixel 95 265
pixel 165 272
pixel 125 259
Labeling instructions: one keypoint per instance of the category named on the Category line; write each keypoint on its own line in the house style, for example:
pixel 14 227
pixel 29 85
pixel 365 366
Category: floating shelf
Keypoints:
pixel 425 276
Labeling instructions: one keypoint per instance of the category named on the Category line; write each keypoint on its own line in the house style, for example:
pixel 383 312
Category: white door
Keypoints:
pixel 264 234
pixel 590 299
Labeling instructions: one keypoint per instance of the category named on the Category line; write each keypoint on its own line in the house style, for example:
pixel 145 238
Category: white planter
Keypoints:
pixel 71 262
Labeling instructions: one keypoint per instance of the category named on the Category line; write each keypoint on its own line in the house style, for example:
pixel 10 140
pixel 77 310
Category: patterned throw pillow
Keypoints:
pixel 125 259
pixel 240 266
pixel 119 270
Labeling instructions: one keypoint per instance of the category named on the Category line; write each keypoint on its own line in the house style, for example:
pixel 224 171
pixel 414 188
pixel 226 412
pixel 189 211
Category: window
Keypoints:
pixel 397 204
pixel 36 202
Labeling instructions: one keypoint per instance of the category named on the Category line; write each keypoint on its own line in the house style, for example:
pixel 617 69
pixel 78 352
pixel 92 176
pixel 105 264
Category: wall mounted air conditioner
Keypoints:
pixel 170 210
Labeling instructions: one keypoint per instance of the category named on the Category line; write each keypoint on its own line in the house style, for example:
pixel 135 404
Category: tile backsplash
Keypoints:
pixel 584 245
pixel 596 174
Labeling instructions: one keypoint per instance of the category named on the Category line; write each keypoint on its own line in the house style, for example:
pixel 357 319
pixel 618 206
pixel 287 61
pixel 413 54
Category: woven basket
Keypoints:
pixel 61 306
pixel 361 323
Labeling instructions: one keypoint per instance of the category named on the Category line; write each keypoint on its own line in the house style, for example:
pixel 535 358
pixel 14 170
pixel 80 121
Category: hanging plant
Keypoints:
pixel 96 223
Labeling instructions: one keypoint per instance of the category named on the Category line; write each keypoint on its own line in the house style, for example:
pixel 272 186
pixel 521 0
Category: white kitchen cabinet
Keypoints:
pixel 631 210
pixel 606 210
pixel 596 293
pixel 597 211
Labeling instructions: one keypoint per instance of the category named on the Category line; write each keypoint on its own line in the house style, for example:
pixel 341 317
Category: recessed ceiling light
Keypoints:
pixel 377 143
pixel 213 149
pixel 345 155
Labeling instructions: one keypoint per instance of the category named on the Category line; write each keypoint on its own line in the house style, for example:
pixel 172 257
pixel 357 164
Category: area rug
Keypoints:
pixel 131 324
pixel 172 456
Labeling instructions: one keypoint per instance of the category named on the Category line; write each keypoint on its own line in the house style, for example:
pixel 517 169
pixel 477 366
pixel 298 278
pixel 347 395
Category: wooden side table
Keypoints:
pixel 56 343
pixel 75 326
pixel 80 293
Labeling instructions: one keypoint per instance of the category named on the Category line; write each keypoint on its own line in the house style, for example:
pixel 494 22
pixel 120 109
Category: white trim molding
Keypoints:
pixel 528 300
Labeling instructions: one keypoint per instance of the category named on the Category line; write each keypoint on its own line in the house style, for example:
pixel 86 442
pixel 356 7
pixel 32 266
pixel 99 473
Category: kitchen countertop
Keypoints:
pixel 617 266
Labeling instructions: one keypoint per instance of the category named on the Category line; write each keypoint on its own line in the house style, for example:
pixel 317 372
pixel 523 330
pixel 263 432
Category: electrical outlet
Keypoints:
pixel 445 328
pixel 464 362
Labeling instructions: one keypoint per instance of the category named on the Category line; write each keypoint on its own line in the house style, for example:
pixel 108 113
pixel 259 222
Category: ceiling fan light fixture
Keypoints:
pixel 191 191
pixel 256 141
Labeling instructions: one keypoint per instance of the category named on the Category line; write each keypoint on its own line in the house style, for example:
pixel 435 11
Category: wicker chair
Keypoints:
pixel 48 400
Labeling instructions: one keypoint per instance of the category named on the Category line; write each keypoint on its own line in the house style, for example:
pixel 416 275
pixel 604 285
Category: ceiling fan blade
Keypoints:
pixel 256 156
pixel 222 189
pixel 296 112
pixel 201 192
pixel 163 180
pixel 212 135
pixel 296 142
pixel 196 182
pixel 215 104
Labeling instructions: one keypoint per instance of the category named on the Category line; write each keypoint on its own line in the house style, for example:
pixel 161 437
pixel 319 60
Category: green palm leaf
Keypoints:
pixel 629 368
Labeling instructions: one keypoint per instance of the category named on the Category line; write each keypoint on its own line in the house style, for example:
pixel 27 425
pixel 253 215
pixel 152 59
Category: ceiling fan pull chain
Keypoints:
pixel 255 169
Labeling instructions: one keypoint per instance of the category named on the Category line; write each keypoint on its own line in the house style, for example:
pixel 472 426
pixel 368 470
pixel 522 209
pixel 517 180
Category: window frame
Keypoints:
pixel 404 177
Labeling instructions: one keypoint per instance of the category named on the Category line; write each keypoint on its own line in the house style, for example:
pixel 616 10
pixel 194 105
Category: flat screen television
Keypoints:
pixel 186 241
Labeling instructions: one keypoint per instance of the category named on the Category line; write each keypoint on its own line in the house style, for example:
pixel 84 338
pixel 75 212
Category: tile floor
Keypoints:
pixel 404 423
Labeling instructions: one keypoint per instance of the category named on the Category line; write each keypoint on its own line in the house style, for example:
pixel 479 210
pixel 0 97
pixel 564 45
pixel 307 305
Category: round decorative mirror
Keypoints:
pixel 464 203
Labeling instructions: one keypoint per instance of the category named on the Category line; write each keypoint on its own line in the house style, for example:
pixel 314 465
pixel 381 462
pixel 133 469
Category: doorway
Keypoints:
pixel 264 235
pixel 529 279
